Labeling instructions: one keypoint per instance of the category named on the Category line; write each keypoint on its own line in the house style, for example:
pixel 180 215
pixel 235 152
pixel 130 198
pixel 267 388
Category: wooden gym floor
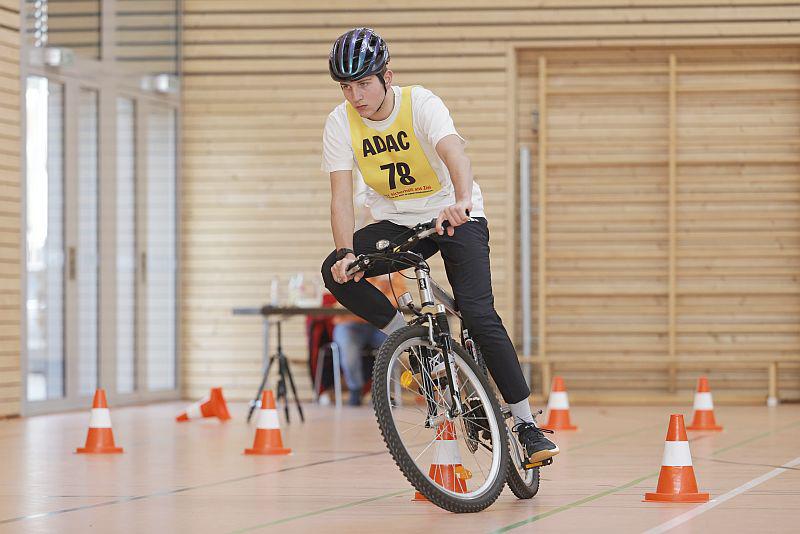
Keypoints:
pixel 193 477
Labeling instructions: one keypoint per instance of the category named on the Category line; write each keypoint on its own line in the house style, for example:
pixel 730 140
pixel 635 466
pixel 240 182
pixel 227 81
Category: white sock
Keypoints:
pixel 522 412
pixel 397 322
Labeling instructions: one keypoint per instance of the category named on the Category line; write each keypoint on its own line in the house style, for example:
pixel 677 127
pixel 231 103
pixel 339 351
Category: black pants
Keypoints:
pixel 466 261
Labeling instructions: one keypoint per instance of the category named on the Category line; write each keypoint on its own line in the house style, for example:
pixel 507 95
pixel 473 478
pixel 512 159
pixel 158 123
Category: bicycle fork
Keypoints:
pixel 433 381
pixel 446 344
pixel 439 336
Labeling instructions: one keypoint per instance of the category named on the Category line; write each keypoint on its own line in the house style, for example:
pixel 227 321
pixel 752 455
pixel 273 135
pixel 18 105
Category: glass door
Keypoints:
pixel 160 253
pixel 62 236
pixel 101 213
pixel 84 269
pixel 101 240
pixel 45 239
pixel 126 248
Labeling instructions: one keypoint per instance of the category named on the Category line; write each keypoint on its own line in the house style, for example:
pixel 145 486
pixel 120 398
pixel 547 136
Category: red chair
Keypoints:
pixel 320 338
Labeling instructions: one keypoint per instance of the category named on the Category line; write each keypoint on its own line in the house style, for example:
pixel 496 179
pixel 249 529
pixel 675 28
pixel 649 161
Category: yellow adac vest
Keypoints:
pixel 392 161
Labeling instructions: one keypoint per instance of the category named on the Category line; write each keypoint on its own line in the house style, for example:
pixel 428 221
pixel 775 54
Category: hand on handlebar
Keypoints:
pixel 456 214
pixel 452 216
pixel 339 270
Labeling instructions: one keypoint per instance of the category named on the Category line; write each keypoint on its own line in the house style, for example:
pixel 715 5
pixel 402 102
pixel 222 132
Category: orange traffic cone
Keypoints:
pixel 676 482
pixel 558 407
pixel 703 408
pixel 100 439
pixel 268 430
pixel 446 469
pixel 211 406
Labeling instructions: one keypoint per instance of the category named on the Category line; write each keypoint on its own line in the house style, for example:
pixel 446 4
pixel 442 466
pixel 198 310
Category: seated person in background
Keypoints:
pixel 352 334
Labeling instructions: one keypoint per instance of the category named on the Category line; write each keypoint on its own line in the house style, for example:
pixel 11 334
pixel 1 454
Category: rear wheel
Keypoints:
pixel 524 483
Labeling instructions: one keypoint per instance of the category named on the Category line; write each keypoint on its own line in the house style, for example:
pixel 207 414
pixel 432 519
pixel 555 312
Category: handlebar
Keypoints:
pixel 420 232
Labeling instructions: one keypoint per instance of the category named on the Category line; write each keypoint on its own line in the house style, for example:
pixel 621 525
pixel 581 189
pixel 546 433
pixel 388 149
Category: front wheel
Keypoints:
pixel 458 462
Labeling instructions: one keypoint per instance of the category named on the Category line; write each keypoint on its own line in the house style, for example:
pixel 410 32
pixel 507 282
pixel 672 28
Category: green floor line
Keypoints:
pixel 363 501
pixel 574 504
pixel 611 438
pixel 754 438
pixel 324 510
pixel 605 493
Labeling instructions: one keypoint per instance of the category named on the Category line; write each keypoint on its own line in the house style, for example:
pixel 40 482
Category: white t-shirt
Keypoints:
pixel 432 122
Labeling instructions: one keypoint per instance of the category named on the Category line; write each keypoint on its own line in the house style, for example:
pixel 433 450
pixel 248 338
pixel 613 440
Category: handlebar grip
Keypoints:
pixel 354 267
pixel 446 223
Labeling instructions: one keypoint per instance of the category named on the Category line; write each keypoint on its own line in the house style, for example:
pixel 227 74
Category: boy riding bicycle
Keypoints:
pixel 403 144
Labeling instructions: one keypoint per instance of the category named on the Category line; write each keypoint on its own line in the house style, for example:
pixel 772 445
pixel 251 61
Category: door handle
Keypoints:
pixel 71 263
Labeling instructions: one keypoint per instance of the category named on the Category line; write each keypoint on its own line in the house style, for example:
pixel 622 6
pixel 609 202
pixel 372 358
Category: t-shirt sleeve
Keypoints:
pixel 337 155
pixel 432 116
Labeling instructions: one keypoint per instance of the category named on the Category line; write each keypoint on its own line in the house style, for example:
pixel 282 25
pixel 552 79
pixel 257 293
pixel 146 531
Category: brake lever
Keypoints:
pixel 354 267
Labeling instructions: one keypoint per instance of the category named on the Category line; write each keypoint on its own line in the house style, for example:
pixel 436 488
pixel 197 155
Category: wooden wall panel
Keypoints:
pixel 145 31
pixel 146 36
pixel 606 229
pixel 255 203
pixel 245 163
pixel 74 25
pixel 738 198
pixel 737 245
pixel 10 260
pixel 256 94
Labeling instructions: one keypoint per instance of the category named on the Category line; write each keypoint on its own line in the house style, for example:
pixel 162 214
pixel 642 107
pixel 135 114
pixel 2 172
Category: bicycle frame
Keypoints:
pixel 435 303
pixel 433 296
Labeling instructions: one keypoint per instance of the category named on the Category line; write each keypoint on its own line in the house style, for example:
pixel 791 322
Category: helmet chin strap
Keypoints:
pixel 385 93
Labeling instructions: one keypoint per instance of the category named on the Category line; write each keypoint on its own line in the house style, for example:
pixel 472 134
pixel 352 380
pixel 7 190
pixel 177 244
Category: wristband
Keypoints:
pixel 343 252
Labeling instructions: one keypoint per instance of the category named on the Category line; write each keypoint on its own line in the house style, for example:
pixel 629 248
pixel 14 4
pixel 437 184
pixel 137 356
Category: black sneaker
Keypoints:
pixel 537 447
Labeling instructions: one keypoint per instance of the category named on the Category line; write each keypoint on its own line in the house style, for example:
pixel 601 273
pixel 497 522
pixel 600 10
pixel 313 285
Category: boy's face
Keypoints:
pixel 366 95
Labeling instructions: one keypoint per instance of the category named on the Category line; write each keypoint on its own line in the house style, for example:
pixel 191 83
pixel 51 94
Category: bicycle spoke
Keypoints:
pixel 413 376
pixel 481 468
pixel 480 426
pixel 461 390
pixel 408 422
pixel 427 447
pixel 418 395
pixel 472 409
pixel 414 408
pixel 417 427
pixel 475 432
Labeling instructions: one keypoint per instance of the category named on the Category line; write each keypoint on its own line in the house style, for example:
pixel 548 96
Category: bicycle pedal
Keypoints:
pixel 544 462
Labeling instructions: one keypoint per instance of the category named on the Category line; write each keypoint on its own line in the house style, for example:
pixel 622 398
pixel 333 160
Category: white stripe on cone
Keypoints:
pixel 268 420
pixel 193 411
pixel 676 454
pixel 100 418
pixel 703 401
pixel 558 401
pixel 446 452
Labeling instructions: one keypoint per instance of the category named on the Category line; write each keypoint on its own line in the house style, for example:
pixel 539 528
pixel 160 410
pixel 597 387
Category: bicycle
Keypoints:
pixel 411 363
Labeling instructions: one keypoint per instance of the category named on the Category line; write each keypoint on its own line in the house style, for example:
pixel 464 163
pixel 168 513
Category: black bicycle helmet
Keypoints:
pixel 357 54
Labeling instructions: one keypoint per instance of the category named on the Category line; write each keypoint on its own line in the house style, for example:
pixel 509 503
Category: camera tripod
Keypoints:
pixel 284 372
